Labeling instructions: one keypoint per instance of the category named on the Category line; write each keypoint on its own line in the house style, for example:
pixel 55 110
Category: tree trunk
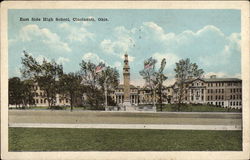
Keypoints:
pixel 180 96
pixel 71 102
pixel 160 88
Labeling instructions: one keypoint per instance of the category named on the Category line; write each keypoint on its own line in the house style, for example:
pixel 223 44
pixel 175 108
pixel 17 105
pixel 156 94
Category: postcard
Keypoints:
pixel 125 80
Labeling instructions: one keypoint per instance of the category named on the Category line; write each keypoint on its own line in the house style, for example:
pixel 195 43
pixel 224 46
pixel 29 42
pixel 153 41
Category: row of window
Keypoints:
pixel 235 97
pixel 41 94
pixel 36 87
pixel 41 101
pixel 216 91
pixel 67 101
pixel 222 97
pixel 222 103
pixel 234 84
pixel 45 101
pixel 196 97
pixel 132 90
pixel 216 103
pixel 235 90
pixel 192 91
pixel 197 84
pixel 221 84
pixel 235 103
pixel 216 98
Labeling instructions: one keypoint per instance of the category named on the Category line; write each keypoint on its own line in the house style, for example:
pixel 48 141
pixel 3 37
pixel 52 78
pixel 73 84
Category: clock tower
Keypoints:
pixel 126 81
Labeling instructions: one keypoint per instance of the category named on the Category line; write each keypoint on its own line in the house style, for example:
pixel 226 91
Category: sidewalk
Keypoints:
pixel 129 126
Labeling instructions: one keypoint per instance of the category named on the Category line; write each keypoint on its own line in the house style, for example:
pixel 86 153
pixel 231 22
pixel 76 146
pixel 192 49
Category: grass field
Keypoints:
pixel 196 108
pixel 43 139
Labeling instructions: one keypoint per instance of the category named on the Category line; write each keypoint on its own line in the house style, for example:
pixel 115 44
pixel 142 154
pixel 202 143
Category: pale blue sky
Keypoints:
pixel 211 38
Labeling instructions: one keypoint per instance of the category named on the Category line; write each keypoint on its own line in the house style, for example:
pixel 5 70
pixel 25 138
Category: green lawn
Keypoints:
pixel 196 108
pixel 43 139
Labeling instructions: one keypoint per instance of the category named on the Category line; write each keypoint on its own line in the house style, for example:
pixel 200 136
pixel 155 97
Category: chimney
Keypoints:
pixel 213 76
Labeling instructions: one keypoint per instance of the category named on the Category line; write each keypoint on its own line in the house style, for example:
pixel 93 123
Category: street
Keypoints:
pixel 86 119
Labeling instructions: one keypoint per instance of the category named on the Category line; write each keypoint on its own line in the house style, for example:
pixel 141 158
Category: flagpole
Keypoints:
pixel 105 92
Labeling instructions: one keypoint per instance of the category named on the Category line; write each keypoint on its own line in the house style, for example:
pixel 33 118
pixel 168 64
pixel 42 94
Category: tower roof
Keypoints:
pixel 125 57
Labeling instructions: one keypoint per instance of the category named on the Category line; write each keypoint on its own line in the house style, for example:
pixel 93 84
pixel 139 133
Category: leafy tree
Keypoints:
pixel 94 96
pixel 70 86
pixel 95 83
pixel 45 75
pixel 149 74
pixel 154 79
pixel 185 69
pixel 109 80
pixel 15 91
pixel 20 92
pixel 28 92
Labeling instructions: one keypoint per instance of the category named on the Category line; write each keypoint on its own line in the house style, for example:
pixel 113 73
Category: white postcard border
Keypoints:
pixel 243 6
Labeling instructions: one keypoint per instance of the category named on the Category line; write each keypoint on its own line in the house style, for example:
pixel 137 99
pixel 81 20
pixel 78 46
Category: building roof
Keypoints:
pixel 212 80
pixel 222 79
pixel 190 80
pixel 215 80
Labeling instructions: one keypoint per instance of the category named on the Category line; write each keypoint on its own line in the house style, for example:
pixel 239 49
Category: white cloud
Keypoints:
pixel 118 64
pixel 40 59
pixel 154 27
pixel 62 60
pixel 77 33
pixel 208 46
pixel 209 29
pixel 33 32
pixel 130 58
pixel 92 57
pixel 107 46
pixel 171 58
pixel 169 82
pixel 17 72
pixel 218 74
pixel 233 46
pixel 122 42
pixel 137 82
pixel 238 75
pixel 222 75
pixel 156 31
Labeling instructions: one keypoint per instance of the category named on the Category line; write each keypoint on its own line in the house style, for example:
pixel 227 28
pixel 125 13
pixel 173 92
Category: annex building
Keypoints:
pixel 224 92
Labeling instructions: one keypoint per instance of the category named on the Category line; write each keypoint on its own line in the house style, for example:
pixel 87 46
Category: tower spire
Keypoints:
pixel 126 80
